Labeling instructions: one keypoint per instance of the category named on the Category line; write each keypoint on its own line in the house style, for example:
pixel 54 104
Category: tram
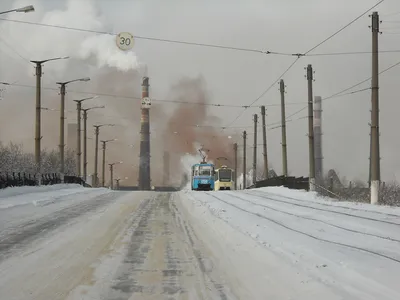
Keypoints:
pixel 203 177
pixel 224 179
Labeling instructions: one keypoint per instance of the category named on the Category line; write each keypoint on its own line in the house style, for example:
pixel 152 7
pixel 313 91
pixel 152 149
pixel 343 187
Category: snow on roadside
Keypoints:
pixel 326 254
pixel 314 197
pixel 39 195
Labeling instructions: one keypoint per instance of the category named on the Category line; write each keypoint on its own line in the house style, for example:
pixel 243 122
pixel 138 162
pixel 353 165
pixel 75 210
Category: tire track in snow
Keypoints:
pixel 327 210
pixel 307 234
pixel 28 232
pixel 316 220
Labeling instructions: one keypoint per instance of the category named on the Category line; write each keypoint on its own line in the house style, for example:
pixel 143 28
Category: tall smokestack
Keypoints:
pixel 318 139
pixel 144 164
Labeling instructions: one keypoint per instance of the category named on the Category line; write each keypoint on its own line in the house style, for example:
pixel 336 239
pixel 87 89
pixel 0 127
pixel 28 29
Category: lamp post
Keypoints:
pixel 103 170
pixel 85 138
pixel 62 123
pixel 96 150
pixel 24 9
pixel 112 173
pixel 38 137
pixel 78 136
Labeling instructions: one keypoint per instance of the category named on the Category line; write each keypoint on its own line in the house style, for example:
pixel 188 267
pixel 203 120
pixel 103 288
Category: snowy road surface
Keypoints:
pixel 75 243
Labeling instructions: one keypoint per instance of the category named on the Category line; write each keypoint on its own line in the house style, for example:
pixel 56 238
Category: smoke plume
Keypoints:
pixel 192 127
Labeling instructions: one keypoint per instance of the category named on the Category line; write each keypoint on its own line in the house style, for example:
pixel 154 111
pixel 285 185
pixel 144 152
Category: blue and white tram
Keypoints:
pixel 203 177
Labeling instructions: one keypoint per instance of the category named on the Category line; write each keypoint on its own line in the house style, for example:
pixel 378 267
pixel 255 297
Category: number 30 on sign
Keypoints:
pixel 124 41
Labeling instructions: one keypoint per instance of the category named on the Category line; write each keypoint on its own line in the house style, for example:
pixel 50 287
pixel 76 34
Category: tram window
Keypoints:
pixel 225 175
pixel 205 170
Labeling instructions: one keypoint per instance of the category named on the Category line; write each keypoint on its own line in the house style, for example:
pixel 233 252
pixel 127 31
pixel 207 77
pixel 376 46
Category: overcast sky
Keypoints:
pixel 232 77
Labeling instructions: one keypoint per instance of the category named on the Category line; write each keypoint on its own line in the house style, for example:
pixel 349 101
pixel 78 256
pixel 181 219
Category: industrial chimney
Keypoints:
pixel 318 140
pixel 144 164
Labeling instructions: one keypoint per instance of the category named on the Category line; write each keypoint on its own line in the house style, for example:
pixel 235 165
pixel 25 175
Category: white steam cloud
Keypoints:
pixel 46 42
pixel 104 48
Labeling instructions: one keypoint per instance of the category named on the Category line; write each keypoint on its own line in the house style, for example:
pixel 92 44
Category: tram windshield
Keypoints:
pixel 205 170
pixel 225 175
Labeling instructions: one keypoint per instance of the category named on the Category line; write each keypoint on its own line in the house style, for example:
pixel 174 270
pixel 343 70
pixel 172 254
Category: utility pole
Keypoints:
pixel 283 120
pixel 38 136
pixel 111 176
pixel 62 122
pixel 264 125
pixel 310 79
pixel 244 159
pixel 96 153
pixel 78 136
pixel 85 143
pixel 375 155
pixel 112 173
pixel 255 150
pixel 235 149
pixel 62 119
pixel 103 172
pixel 85 114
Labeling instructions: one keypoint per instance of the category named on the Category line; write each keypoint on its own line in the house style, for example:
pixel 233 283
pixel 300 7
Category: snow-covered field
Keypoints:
pixel 70 242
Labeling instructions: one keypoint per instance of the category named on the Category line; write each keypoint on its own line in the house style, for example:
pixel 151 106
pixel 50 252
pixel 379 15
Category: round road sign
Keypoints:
pixel 125 41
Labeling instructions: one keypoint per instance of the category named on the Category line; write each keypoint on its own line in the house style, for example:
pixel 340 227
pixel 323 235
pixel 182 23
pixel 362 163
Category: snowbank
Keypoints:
pixel 313 197
pixel 38 195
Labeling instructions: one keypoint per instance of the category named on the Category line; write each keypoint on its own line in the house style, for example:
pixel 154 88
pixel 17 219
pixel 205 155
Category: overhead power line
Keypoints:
pixel 139 98
pixel 343 93
pixel 148 38
pixel 304 54
pixel 344 27
pixel 195 43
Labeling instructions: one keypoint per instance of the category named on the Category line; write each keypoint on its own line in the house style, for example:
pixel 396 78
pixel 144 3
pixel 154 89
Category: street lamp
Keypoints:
pixel 62 121
pixel 24 9
pixel 78 144
pixel 103 171
pixel 85 138
pixel 96 153
pixel 38 136
pixel 112 173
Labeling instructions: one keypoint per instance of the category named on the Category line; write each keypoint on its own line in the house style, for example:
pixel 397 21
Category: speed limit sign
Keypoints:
pixel 124 41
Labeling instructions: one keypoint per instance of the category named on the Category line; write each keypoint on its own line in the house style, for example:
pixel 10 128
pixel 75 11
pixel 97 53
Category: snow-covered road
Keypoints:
pixel 68 242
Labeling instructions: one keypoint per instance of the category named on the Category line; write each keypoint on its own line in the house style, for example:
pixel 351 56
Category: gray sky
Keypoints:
pixel 232 77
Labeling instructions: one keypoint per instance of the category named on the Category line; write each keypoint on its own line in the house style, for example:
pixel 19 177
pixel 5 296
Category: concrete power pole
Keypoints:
pixel 111 176
pixel 103 170
pixel 255 150
pixel 283 125
pixel 96 154
pixel 310 79
pixel 235 149
pixel 244 159
pixel 62 131
pixel 264 126
pixel 375 155
pixel 38 136
pixel 318 140
pixel 85 144
pixel 78 138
